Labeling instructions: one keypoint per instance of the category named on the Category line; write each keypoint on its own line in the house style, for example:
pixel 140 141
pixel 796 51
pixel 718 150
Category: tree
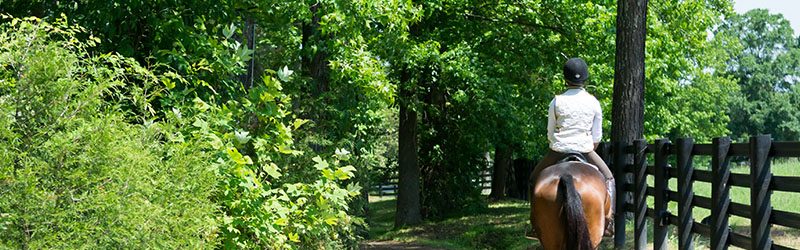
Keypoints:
pixel 766 65
pixel 502 163
pixel 628 103
pixel 408 196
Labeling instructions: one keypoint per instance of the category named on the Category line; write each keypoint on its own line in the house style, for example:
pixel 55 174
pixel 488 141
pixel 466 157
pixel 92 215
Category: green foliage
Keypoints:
pixel 264 203
pixel 200 173
pixel 75 173
pixel 766 65
pixel 686 89
pixel 343 83
pixel 278 164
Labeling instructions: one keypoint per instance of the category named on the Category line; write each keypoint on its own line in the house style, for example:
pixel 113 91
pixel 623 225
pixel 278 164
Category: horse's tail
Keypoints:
pixel 577 231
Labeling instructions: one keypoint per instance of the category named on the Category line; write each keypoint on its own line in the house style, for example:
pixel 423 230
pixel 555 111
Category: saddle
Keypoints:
pixel 573 156
pixel 576 157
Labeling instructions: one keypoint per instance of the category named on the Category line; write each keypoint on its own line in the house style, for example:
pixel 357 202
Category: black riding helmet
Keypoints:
pixel 575 71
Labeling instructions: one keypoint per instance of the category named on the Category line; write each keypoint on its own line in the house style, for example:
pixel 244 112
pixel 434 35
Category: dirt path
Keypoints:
pixel 394 245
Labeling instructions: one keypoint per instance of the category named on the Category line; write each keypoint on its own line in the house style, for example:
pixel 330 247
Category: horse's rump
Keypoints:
pixel 559 188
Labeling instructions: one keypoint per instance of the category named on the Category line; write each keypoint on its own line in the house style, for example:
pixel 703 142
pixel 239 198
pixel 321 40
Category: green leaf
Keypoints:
pixel 200 104
pixel 328 174
pixel 245 160
pixel 349 169
pixel 321 164
pixel 238 157
pixel 272 170
pixel 282 222
pixel 331 220
pixel 200 123
pixel 323 203
pixel 168 83
pixel 228 31
pixel 294 237
pixel 342 154
pixel 354 189
pixel 285 149
pixel 340 175
pixel 299 122
pixel 215 141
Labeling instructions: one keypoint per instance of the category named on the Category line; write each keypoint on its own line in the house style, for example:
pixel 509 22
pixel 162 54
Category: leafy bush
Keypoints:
pixel 87 162
pixel 300 205
pixel 74 172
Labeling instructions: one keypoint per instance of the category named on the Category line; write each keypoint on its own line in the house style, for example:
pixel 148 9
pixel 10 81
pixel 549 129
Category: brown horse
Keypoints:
pixel 570 206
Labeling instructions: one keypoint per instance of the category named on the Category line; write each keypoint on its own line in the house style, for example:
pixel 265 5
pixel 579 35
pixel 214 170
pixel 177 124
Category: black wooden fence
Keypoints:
pixel 632 182
pixel 389 187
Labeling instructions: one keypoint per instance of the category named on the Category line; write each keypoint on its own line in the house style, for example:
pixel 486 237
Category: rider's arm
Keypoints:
pixel 551 121
pixel 597 125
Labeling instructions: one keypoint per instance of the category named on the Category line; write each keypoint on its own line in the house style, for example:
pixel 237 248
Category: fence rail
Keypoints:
pixel 633 170
pixel 390 188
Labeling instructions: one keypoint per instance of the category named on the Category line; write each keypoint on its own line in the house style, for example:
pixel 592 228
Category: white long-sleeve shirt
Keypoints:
pixel 575 122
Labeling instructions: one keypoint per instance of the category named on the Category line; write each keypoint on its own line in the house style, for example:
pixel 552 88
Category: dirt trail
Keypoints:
pixel 394 245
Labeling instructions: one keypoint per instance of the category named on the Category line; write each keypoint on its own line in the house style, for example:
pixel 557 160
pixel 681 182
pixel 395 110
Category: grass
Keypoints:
pixel 783 201
pixel 501 226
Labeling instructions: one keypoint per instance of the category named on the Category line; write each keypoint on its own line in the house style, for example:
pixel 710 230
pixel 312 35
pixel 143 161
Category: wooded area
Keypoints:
pixel 263 123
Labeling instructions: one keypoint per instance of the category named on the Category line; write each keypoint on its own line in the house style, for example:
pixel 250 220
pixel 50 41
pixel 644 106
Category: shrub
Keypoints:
pixel 74 171
pixel 87 162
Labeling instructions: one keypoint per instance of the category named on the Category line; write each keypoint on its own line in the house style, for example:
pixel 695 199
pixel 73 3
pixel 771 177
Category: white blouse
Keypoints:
pixel 575 122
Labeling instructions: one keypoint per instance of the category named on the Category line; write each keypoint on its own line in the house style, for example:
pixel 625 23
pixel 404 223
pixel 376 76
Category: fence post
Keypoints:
pixel 720 193
pixel 761 177
pixel 685 193
pixel 640 196
pixel 619 176
pixel 660 221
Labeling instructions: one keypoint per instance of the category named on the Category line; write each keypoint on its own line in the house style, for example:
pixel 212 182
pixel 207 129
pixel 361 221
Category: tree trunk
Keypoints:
pixel 627 113
pixel 628 104
pixel 317 63
pixel 502 161
pixel 408 196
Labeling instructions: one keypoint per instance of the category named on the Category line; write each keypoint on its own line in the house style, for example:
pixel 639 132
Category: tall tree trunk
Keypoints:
pixel 316 64
pixel 627 114
pixel 628 104
pixel 408 196
pixel 502 162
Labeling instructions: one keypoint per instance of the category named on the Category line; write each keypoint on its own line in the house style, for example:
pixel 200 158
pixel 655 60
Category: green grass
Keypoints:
pixel 502 225
pixel 499 227
pixel 783 201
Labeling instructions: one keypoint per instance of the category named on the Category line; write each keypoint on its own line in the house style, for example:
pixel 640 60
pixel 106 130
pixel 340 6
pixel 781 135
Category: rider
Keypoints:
pixel 575 124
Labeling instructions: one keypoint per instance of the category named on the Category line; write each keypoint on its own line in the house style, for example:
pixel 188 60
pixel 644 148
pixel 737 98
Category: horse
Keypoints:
pixel 570 206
